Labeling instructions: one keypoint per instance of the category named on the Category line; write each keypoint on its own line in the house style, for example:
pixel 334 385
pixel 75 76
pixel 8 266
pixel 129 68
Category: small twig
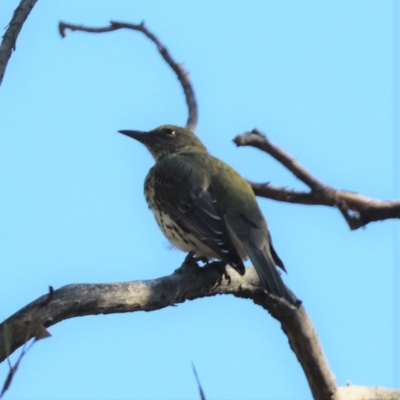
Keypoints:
pixel 201 391
pixel 180 71
pixel 357 210
pixel 257 139
pixel 8 43
pixel 49 297
pixel 29 329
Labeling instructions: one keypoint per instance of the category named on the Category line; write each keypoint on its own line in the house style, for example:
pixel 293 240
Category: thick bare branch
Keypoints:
pixel 366 393
pixel 8 43
pixel 356 209
pixel 180 71
pixel 91 299
pixel 84 299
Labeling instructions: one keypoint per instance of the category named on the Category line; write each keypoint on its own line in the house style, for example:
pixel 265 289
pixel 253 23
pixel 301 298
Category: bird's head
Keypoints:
pixel 167 140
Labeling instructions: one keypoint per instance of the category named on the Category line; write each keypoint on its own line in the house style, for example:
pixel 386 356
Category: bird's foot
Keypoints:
pixel 221 267
pixel 191 262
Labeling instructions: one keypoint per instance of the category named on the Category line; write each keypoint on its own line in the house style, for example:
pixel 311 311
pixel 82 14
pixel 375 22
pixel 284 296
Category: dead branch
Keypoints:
pixel 357 210
pixel 8 43
pixel 92 299
pixel 366 393
pixel 84 299
pixel 180 71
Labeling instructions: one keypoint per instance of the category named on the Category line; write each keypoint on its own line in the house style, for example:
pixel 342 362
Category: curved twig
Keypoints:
pixel 180 71
pixel 357 210
pixel 10 36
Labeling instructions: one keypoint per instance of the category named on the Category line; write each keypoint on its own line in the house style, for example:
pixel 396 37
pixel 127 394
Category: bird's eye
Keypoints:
pixel 169 131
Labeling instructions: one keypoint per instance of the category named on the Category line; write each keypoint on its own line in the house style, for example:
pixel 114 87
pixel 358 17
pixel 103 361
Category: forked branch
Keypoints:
pixel 357 210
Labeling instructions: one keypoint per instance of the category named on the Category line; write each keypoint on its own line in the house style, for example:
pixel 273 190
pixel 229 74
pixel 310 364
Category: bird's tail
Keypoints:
pixel 269 275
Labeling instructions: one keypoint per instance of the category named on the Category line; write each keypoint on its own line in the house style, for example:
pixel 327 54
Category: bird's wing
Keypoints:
pixel 185 194
pixel 256 241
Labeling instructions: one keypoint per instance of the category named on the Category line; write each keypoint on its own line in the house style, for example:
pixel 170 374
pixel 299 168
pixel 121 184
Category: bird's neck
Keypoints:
pixel 185 150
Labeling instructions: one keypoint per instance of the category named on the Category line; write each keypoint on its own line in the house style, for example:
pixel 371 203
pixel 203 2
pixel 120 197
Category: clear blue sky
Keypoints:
pixel 315 76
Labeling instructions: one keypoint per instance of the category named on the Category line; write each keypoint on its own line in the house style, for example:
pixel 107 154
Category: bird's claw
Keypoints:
pixel 191 262
pixel 221 267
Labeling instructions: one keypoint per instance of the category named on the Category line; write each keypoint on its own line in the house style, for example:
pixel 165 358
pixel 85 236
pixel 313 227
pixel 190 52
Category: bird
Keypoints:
pixel 205 208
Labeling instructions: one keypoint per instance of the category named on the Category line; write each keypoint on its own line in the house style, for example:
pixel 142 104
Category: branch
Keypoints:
pixel 181 73
pixel 357 210
pixel 365 393
pixel 91 299
pixel 8 43
pixel 84 299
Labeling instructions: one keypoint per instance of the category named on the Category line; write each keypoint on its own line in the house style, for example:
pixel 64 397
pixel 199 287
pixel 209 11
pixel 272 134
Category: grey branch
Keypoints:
pixel 365 393
pixel 357 210
pixel 91 299
pixel 84 299
pixel 9 38
pixel 180 71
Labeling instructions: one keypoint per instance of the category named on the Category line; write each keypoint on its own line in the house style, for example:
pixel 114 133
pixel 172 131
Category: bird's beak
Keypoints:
pixel 138 135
